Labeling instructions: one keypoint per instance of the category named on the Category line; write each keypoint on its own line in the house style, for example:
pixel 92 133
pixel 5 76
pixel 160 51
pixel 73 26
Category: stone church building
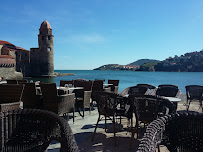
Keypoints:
pixel 16 62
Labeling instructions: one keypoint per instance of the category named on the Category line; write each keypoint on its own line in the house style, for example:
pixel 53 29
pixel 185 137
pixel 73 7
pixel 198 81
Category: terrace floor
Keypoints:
pixel 83 129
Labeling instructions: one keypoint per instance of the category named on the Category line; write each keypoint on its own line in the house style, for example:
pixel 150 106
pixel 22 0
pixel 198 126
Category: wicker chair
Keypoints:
pixel 11 93
pixel 168 90
pixel 33 130
pixel 181 132
pixel 30 97
pixel 106 104
pixel 145 108
pixel 60 104
pixel 114 87
pixel 194 92
pixel 97 87
pixel 83 96
pixel 148 108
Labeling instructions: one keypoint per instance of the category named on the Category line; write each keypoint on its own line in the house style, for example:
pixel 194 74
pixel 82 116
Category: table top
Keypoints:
pixel 69 88
pixel 173 99
pixel 107 84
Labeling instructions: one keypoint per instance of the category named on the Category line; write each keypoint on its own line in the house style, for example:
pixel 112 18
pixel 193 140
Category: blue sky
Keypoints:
pixel 91 33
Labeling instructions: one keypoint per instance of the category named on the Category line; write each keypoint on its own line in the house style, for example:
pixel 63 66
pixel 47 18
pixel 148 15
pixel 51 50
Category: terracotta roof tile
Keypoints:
pixel 4 42
pixel 19 48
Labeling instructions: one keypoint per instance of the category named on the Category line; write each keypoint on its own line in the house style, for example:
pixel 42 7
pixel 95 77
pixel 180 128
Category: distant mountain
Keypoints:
pixel 143 61
pixel 189 62
pixel 132 66
pixel 117 67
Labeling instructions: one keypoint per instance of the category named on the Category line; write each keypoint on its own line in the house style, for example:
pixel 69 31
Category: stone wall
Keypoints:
pixel 10 73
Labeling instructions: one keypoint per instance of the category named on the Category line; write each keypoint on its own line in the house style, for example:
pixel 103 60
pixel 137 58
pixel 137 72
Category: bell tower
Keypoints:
pixel 46 50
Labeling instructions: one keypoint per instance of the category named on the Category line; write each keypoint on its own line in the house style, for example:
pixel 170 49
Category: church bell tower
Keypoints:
pixel 46 49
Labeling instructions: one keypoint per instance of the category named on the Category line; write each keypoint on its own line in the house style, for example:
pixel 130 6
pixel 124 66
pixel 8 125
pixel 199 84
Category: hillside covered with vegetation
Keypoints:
pixel 189 62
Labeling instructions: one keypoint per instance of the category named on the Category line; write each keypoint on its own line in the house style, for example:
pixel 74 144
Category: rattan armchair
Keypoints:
pixel 145 108
pixel 33 130
pixel 97 86
pixel 194 92
pixel 106 104
pixel 60 104
pixel 168 90
pixel 83 97
pixel 30 98
pixel 181 132
pixel 114 87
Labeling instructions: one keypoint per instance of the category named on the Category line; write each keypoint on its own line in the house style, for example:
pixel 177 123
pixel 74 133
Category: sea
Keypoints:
pixel 131 78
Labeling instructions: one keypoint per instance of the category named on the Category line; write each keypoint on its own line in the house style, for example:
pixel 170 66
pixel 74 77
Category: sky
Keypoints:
pixel 92 33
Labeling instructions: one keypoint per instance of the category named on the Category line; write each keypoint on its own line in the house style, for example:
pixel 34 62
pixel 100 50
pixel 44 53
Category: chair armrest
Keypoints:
pixel 116 90
pixel 87 96
pixel 9 106
pixel 107 89
pixel 178 94
pixel 36 129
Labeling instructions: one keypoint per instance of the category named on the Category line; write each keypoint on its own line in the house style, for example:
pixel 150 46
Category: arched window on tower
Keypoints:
pixel 49 38
pixel 48 49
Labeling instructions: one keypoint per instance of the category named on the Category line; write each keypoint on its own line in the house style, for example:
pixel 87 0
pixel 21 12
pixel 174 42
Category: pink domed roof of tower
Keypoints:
pixel 45 25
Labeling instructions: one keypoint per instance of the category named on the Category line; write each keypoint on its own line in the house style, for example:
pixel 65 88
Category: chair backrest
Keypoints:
pixel 137 90
pixel 97 85
pixel 114 82
pixel 22 81
pixel 79 83
pixel 194 92
pixel 106 103
pixel 145 107
pixel 88 85
pixel 12 81
pixel 167 90
pixel 182 132
pixel 63 82
pixel 100 79
pixel 49 94
pixel 30 98
pixel 11 92
pixel 114 87
pixel 148 86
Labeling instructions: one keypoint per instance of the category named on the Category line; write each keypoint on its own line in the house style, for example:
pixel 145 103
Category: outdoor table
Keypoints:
pixel 107 85
pixel 174 100
pixel 63 90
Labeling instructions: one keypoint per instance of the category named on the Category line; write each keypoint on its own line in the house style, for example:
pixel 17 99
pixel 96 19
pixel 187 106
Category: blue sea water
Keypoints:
pixel 131 78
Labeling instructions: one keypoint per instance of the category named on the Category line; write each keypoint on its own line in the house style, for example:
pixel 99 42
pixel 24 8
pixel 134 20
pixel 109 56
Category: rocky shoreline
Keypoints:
pixel 63 74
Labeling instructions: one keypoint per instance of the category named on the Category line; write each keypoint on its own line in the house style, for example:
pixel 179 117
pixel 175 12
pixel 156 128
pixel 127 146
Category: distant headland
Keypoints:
pixel 189 62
